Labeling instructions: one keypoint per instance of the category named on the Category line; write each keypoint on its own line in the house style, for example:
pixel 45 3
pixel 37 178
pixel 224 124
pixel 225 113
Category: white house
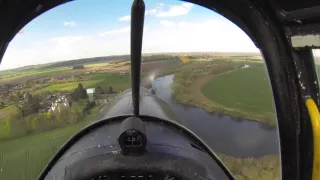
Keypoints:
pixel 60 102
pixel 90 92
pixel 245 66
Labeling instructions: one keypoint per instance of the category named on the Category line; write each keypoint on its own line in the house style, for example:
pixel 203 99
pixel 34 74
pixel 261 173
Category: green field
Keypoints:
pixel 118 83
pixel 35 72
pixel 4 120
pixel 66 86
pixel 7 108
pixel 246 90
pixel 5 128
pixel 24 158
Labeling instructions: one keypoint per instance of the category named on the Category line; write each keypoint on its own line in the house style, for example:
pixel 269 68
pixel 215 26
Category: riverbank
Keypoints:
pixel 262 168
pixel 236 97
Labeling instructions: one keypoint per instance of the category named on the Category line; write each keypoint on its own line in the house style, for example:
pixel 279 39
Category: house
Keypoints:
pixel 245 66
pixel 59 103
pixel 90 92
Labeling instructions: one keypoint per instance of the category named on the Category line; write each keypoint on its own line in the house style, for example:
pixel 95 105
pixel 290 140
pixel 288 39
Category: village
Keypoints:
pixel 14 94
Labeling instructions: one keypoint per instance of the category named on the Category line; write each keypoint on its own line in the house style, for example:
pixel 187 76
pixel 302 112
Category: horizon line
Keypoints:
pixel 123 55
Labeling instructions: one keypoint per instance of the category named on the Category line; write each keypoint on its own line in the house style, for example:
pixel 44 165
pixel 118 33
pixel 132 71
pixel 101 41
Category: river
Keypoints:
pixel 224 134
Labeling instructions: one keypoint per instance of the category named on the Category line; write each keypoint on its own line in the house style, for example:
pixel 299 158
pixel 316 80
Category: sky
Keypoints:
pixel 84 28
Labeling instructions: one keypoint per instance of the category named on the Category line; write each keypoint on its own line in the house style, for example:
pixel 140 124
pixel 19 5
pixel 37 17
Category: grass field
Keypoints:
pixel 66 86
pixel 118 83
pixel 24 76
pixel 7 108
pixel 24 158
pixel 245 90
pixel 7 111
pixel 5 128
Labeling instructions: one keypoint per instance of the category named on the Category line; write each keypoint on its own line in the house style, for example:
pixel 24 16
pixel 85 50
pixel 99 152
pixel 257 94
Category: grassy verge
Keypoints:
pixel 262 168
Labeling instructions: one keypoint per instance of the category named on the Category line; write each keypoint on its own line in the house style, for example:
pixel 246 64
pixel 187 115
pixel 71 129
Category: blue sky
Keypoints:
pixel 89 28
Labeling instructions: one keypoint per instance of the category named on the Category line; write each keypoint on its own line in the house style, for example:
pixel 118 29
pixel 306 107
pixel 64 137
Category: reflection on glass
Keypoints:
pixel 61 70
pixel 316 56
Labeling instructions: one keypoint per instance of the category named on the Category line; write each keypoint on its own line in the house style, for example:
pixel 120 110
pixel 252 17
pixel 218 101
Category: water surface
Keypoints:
pixel 225 134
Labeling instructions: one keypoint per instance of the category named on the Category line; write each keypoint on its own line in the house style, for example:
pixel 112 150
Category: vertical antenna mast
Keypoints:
pixel 137 21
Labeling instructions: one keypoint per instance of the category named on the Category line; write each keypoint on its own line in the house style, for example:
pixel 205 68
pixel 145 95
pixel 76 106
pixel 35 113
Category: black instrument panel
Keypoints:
pixel 135 176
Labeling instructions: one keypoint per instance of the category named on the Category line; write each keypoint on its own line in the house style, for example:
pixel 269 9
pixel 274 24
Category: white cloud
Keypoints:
pixel 125 18
pixel 176 10
pixel 68 39
pixel 70 23
pixel 197 36
pixel 63 48
pixel 116 31
pixel 151 11
pixel 147 12
pixel 218 35
pixel 167 23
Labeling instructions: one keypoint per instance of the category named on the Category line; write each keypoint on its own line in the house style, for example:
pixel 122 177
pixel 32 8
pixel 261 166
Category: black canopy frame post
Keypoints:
pixel 137 22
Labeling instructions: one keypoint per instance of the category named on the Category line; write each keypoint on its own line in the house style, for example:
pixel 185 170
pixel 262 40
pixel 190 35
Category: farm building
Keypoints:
pixel 90 92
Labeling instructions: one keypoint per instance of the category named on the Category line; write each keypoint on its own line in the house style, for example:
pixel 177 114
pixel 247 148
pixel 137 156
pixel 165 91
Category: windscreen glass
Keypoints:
pixel 57 74
pixel 215 80
pixel 316 57
pixel 64 68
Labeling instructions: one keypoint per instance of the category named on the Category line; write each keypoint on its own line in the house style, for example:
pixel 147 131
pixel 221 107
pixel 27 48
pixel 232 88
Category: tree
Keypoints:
pixel 110 90
pixel 82 92
pixel 78 67
pixel 80 86
pixel 2 104
pixel 99 90
pixel 79 93
pixel 30 105
pixel 29 83
pixel 13 98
